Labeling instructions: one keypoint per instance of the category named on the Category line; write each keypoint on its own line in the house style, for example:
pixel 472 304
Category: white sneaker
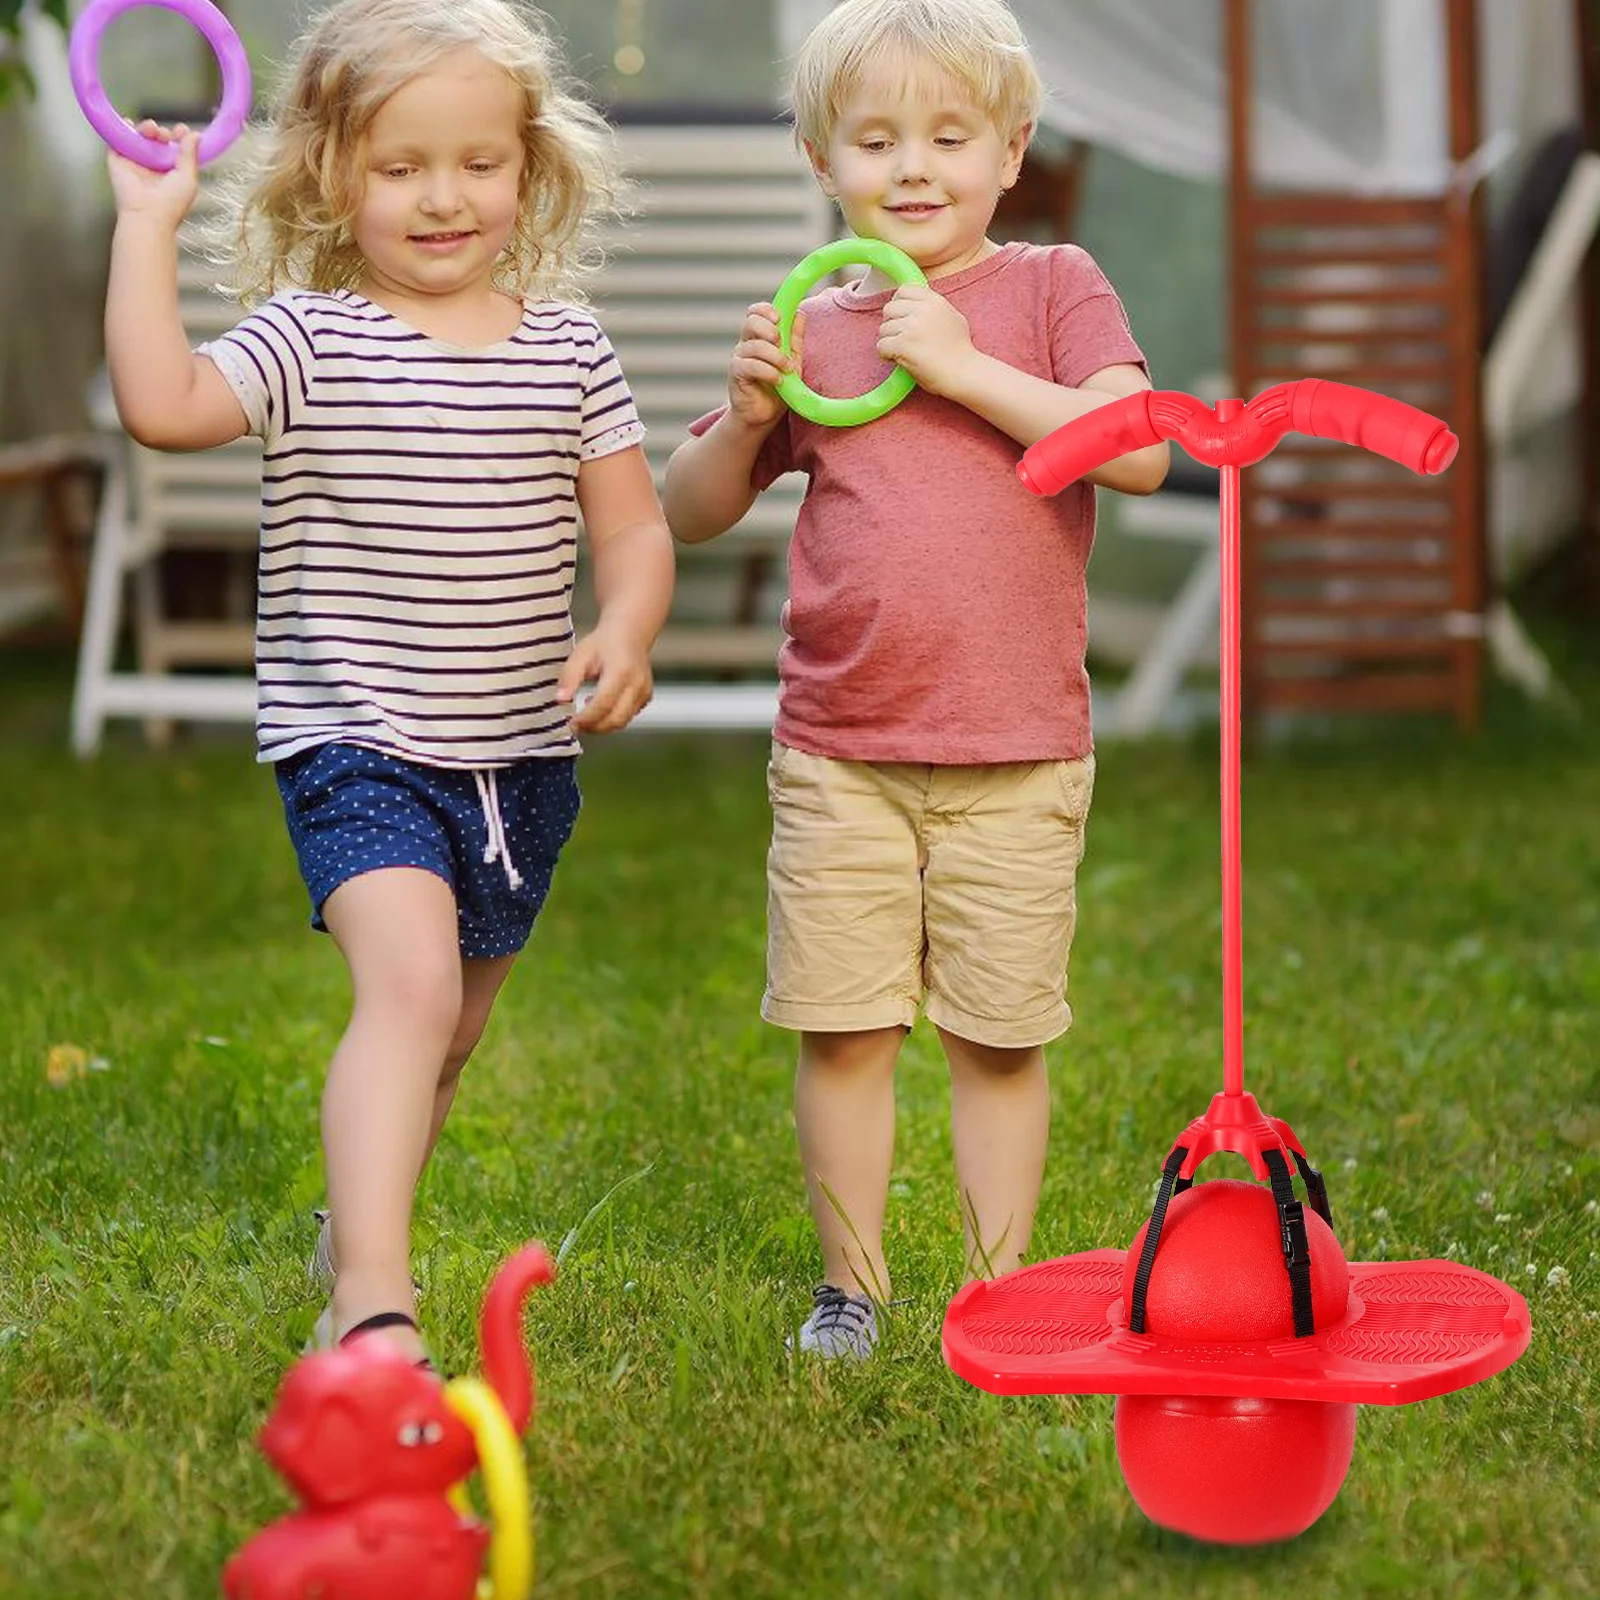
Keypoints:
pixel 320 1271
pixel 322 1331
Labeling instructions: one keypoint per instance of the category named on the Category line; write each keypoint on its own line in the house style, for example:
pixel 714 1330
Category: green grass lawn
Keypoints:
pixel 1422 969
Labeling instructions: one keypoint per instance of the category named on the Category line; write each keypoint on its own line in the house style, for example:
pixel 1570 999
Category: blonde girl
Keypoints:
pixel 436 410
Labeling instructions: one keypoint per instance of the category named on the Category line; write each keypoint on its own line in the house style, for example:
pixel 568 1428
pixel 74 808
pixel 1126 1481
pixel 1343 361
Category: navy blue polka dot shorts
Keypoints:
pixel 492 834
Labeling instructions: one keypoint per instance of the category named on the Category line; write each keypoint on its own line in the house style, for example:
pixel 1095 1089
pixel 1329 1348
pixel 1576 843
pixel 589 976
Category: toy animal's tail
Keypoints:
pixel 506 1361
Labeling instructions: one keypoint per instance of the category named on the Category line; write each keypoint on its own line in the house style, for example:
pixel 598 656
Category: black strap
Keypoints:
pixel 389 1319
pixel 384 1319
pixel 1292 1236
pixel 1152 1238
pixel 1316 1189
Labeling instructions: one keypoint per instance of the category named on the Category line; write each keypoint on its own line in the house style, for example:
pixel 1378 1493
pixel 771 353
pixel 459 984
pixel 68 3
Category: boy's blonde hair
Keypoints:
pixel 976 43
pixel 287 210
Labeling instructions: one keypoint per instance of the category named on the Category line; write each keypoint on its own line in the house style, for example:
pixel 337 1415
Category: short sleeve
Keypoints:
pixel 776 455
pixel 1089 328
pixel 610 417
pixel 267 361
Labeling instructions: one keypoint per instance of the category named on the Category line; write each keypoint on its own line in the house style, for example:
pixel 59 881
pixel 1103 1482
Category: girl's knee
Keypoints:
pixel 480 987
pixel 467 1035
pixel 421 991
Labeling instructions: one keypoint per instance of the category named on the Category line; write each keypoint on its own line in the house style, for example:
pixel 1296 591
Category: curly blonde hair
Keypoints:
pixel 976 43
pixel 286 207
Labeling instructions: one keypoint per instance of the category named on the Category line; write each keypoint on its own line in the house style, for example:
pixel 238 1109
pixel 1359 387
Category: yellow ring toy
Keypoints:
pixel 505 1486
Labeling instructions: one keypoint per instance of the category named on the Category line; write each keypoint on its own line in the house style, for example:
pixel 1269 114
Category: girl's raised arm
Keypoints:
pixel 168 397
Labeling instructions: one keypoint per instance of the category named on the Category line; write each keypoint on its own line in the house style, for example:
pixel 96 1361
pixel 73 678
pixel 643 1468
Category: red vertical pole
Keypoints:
pixel 1243 235
pixel 1232 916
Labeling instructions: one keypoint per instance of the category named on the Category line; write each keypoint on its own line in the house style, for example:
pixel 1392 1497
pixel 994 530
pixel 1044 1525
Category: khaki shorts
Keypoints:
pixel 887 881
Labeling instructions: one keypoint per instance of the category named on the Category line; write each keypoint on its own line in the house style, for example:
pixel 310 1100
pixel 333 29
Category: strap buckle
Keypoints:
pixel 1292 1234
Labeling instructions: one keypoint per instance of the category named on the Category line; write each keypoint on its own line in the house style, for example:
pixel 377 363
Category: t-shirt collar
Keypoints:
pixel 847 297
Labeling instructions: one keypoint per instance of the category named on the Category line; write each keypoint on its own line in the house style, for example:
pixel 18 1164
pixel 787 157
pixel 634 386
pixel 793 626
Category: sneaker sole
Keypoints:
pixel 322 1333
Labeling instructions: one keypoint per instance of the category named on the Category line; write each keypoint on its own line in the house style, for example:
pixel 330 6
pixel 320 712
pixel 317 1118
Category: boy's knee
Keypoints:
pixel 1000 1060
pixel 851 1050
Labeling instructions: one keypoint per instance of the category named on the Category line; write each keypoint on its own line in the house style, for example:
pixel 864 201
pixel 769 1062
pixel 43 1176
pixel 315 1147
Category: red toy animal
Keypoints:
pixel 372 1446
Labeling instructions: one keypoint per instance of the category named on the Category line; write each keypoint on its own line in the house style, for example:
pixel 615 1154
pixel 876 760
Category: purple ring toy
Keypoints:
pixel 83 62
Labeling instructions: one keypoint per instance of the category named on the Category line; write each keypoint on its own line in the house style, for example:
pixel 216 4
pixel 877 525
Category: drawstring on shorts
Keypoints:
pixel 497 847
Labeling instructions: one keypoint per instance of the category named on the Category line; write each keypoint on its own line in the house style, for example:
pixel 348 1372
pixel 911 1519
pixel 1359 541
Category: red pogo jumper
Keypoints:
pixel 1237 1413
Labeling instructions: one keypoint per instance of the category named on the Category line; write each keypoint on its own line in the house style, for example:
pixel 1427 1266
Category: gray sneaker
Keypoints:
pixel 840 1325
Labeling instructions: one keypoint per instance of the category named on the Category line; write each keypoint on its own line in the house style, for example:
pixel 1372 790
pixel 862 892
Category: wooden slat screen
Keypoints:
pixel 1362 583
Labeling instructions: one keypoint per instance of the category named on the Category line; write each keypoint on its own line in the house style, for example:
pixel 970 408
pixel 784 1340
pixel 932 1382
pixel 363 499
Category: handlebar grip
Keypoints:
pixel 1375 422
pixel 1076 448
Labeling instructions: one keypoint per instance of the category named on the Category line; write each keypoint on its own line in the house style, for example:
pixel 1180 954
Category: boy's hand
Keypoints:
pixel 758 363
pixel 922 332
pixel 161 196
pixel 615 656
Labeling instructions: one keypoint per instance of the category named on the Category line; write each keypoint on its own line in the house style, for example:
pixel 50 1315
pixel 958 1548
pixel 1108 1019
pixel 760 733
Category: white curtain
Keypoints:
pixel 1350 94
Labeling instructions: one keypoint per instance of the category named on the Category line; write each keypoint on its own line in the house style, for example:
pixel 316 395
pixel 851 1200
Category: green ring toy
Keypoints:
pixel 854 409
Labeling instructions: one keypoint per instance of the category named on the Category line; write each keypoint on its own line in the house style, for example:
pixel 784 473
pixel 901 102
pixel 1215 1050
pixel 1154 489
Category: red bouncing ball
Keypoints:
pixel 1229 1470
pixel 1219 1273
pixel 1240 1348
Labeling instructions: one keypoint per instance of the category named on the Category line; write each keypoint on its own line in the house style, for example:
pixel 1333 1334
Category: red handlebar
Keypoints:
pixel 1314 406
pixel 1231 437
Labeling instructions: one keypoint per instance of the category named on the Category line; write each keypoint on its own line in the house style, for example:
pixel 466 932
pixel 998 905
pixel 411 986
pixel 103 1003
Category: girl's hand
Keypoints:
pixel 160 196
pixel 758 363
pixel 621 664
pixel 922 332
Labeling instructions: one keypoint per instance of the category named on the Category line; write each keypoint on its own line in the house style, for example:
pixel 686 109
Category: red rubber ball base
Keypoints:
pixel 1233 1471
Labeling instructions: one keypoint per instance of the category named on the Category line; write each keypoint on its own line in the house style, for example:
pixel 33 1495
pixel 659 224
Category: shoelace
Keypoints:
pixel 832 1306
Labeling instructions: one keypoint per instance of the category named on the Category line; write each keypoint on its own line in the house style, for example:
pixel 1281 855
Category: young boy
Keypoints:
pixel 932 766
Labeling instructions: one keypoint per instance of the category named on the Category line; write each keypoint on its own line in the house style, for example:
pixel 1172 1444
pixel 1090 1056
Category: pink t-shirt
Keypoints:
pixel 937 611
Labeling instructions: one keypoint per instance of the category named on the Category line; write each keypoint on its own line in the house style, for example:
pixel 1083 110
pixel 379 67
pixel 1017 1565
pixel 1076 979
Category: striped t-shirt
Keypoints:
pixel 419 523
